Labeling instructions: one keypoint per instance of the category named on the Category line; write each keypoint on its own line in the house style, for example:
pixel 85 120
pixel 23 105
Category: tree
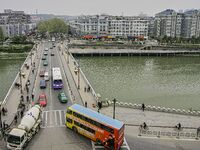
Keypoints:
pixel 53 26
pixel 1 36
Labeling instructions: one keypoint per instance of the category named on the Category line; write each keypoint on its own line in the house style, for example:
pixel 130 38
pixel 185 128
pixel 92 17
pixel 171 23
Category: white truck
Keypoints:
pixel 19 137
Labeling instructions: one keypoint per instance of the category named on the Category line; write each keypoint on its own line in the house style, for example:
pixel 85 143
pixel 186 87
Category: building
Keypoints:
pixel 15 22
pixel 191 24
pixel 168 23
pixel 105 25
pixel 172 24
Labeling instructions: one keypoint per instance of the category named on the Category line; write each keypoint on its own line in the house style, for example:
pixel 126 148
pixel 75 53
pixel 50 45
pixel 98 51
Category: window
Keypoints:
pixel 69 111
pixel 69 120
pixel 84 127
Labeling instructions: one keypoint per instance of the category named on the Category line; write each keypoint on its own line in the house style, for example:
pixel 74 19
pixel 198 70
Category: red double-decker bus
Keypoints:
pixel 96 126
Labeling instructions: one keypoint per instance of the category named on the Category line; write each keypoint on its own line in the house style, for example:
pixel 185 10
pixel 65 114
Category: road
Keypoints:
pixel 54 134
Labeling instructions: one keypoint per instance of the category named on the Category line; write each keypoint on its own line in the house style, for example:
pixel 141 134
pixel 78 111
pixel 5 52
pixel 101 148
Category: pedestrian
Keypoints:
pixel 32 96
pixel 27 89
pixel 86 104
pixel 198 132
pixel 144 125
pixel 33 64
pixel 28 82
pixel 143 106
pixel 85 89
pixel 99 105
pixel 22 98
pixel 3 111
pixel 22 113
pixel 15 118
pixel 27 98
pixel 33 70
pixel 178 126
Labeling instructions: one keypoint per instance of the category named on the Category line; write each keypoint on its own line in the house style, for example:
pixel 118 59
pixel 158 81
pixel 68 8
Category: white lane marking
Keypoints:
pixel 46 118
pixel 55 115
pixel 60 118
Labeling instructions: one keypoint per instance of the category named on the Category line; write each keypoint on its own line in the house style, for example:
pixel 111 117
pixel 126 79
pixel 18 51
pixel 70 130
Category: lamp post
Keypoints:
pixel 0 116
pixel 114 101
pixel 78 76
pixel 20 78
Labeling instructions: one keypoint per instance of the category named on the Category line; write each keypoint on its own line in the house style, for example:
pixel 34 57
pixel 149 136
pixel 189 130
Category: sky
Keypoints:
pixel 93 7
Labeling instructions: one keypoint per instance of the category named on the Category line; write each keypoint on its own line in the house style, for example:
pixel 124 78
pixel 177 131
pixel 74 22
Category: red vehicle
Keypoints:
pixel 42 99
pixel 42 73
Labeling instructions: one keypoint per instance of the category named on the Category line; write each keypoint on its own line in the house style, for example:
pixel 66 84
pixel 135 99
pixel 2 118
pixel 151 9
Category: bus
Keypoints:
pixel 95 126
pixel 57 78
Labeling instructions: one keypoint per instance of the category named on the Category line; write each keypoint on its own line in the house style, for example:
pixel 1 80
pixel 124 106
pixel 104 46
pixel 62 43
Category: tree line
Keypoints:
pixel 52 26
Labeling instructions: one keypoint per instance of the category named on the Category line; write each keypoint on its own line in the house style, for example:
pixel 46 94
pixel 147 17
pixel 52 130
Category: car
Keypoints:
pixel 46 76
pixel 46 49
pixel 42 73
pixel 62 97
pixel 45 53
pixel 51 47
pixel 43 84
pixel 42 99
pixel 44 58
pixel 52 54
pixel 45 63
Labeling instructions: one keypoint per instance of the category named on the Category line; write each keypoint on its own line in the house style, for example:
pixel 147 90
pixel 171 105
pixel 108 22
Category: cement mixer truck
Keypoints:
pixel 19 137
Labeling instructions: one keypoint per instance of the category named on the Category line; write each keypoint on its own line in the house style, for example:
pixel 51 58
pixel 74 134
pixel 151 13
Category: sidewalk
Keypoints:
pixel 13 99
pixel 86 95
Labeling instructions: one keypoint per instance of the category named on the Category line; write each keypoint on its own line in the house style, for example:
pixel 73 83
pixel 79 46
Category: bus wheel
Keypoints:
pixel 98 141
pixel 75 129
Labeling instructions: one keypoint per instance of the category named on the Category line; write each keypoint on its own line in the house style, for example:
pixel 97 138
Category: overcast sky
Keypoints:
pixel 91 7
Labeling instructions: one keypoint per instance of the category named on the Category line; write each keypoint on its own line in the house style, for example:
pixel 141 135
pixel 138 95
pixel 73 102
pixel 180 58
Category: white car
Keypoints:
pixel 46 76
pixel 46 49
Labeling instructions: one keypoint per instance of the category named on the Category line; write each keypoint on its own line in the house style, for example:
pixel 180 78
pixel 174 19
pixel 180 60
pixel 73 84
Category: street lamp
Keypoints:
pixel 20 78
pixel 78 76
pixel 114 101
pixel 0 116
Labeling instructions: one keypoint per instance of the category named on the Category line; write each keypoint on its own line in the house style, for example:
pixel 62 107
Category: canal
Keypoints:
pixel 162 81
pixel 9 66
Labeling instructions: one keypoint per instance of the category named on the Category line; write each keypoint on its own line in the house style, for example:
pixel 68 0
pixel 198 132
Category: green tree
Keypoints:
pixel 1 36
pixel 53 26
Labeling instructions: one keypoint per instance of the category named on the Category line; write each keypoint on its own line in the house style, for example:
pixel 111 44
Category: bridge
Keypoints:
pixel 54 134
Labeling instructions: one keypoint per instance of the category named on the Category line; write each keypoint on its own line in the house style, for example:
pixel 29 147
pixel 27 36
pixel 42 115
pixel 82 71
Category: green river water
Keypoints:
pixel 162 81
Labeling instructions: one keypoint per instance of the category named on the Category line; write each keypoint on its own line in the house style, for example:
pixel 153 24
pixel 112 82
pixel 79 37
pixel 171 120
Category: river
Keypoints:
pixel 162 81
pixel 9 66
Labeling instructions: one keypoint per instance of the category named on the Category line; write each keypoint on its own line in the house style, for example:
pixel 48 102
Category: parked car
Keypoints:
pixel 46 49
pixel 42 73
pixel 62 97
pixel 52 54
pixel 45 63
pixel 43 84
pixel 42 99
pixel 45 53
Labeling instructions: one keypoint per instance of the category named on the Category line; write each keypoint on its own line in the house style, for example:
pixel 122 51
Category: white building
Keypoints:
pixel 110 25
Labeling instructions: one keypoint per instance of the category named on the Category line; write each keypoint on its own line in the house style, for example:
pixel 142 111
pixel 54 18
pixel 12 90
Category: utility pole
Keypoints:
pixel 78 76
pixel 0 116
pixel 20 78
pixel 114 101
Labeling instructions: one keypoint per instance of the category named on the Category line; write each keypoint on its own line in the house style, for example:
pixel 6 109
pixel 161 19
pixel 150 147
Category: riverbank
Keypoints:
pixel 16 48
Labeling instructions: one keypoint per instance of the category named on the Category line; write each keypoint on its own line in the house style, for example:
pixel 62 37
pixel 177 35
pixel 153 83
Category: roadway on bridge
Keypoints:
pixel 54 134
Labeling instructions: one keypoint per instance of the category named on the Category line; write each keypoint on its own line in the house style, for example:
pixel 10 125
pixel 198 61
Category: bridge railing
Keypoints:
pixel 184 134
pixel 85 78
pixel 154 108
pixel 17 77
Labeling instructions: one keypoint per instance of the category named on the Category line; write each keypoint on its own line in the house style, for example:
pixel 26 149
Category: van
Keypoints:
pixel 42 84
pixel 46 76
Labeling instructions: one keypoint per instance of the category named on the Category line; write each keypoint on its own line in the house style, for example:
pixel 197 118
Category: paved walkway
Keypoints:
pixel 12 100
